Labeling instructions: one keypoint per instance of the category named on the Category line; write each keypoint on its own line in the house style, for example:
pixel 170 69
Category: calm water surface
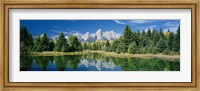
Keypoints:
pixel 95 62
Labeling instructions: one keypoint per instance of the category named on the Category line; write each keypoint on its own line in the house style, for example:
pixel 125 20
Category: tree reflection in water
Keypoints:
pixel 25 62
pixel 95 62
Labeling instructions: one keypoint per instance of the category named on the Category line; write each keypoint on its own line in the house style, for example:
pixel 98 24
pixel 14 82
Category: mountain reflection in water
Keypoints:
pixel 95 62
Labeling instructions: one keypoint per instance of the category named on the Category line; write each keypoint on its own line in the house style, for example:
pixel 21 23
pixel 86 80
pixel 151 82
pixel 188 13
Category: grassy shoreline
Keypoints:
pixel 112 54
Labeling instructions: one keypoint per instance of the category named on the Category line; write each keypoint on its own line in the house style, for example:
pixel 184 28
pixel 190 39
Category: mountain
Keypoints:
pixel 87 37
pixel 98 35
pixel 110 35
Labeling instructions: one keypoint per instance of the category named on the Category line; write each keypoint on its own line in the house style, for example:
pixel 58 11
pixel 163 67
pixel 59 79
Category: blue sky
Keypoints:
pixel 54 27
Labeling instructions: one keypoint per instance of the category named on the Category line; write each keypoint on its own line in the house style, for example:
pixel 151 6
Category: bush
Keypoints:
pixel 166 52
pixel 118 50
pixel 154 50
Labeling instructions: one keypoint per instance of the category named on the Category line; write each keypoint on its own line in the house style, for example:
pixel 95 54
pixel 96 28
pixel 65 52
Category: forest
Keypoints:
pixel 132 42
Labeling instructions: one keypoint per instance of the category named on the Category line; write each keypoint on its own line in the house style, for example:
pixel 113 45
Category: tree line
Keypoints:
pixel 43 43
pixel 150 41
pixel 133 42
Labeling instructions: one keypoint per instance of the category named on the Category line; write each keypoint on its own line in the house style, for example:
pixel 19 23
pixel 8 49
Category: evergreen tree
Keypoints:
pixel 149 33
pixel 142 50
pixel 36 44
pixel 114 45
pixel 127 37
pixel 37 47
pixel 161 45
pixel 121 48
pixel 170 41
pixel 44 42
pixel 51 45
pixel 94 47
pixel 153 33
pixel 177 40
pixel 26 40
pixel 161 33
pixel 150 47
pixel 65 48
pixel 85 47
pixel 61 43
pixel 156 38
pixel 74 43
pixel 132 49
pixel 107 46
pixel 137 37
pixel 143 39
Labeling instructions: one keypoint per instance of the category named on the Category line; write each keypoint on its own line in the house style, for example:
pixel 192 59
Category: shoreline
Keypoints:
pixel 112 54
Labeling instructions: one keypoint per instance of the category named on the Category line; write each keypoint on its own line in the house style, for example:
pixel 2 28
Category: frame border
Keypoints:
pixel 6 5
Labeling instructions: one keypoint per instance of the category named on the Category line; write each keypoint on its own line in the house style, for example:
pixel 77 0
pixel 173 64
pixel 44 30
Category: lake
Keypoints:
pixel 95 62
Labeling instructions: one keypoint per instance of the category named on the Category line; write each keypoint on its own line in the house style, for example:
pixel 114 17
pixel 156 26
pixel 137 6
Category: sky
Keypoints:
pixel 54 27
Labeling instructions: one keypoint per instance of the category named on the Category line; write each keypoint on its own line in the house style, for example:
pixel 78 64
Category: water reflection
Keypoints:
pixel 95 62
pixel 25 63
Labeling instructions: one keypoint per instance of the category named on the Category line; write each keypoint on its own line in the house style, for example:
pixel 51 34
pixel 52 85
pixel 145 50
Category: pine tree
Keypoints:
pixel 74 43
pixel 156 38
pixel 149 33
pixel 137 37
pixel 65 48
pixel 44 42
pixel 94 46
pixel 51 45
pixel 26 40
pixel 107 46
pixel 85 47
pixel 161 45
pixel 127 37
pixel 61 43
pixel 132 49
pixel 161 33
pixel 170 41
pixel 143 39
pixel 151 47
pixel 121 48
pixel 37 45
pixel 115 45
pixel 177 40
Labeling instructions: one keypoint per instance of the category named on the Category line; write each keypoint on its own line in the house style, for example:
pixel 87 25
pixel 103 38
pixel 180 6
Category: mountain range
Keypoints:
pixel 92 37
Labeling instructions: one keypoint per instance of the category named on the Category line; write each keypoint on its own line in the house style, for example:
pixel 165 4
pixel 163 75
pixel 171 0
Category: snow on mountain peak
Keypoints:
pixel 98 35
pixel 111 35
pixel 99 30
pixel 87 33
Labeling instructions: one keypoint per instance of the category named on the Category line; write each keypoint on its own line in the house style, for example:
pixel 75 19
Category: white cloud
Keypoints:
pixel 119 22
pixel 139 21
pixel 57 31
pixel 170 24
pixel 150 27
pixel 55 27
pixel 67 31
pixel 141 28
pixel 133 21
